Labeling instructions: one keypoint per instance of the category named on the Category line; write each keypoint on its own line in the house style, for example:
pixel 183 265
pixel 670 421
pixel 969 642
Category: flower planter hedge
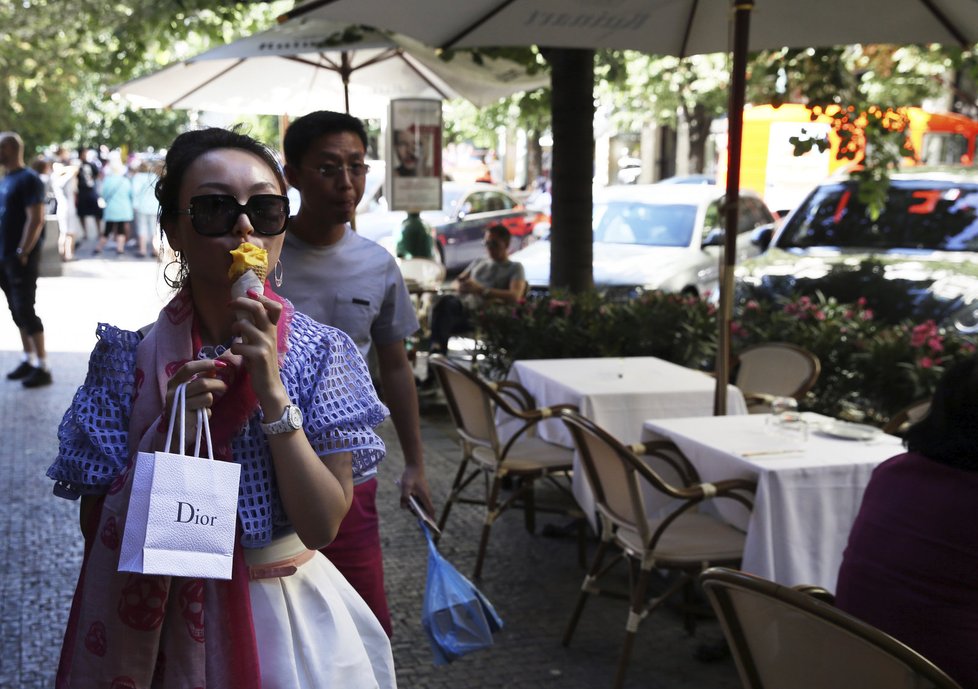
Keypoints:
pixel 870 369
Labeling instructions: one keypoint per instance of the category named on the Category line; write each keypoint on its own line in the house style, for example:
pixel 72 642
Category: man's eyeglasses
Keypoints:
pixel 355 169
pixel 213 215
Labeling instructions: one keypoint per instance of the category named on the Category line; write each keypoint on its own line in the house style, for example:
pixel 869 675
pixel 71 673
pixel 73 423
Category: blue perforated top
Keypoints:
pixel 323 373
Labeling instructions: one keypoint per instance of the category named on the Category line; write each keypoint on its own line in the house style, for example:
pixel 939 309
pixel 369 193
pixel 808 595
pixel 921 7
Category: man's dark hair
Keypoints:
pixel 947 434
pixel 301 133
pixel 189 146
pixel 499 231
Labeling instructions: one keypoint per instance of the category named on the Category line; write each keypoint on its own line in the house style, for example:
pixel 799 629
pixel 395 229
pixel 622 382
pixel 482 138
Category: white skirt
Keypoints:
pixel 313 630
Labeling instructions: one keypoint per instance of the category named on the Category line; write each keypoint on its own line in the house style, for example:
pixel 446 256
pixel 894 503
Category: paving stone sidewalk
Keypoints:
pixel 531 579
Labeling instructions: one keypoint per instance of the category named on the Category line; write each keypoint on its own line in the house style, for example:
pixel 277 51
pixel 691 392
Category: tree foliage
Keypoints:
pixel 61 58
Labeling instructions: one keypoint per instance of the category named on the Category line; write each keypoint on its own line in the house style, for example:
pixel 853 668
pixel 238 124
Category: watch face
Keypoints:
pixel 295 417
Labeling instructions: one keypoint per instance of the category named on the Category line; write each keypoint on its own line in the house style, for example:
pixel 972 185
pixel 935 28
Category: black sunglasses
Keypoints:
pixel 213 215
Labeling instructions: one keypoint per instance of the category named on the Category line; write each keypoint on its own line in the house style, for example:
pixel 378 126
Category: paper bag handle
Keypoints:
pixel 203 424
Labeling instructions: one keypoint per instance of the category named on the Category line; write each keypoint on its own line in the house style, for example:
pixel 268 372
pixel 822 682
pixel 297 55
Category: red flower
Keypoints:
pixel 926 362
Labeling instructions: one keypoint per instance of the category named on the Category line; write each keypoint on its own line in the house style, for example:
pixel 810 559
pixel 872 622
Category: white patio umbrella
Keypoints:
pixel 313 64
pixel 662 27
pixel 671 27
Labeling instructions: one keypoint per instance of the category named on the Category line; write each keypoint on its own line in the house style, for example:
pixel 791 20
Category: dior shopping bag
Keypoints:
pixel 183 509
pixel 456 616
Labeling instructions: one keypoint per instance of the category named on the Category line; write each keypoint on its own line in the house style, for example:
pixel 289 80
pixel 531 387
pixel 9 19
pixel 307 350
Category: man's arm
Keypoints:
pixel 397 378
pixel 32 230
pixel 510 295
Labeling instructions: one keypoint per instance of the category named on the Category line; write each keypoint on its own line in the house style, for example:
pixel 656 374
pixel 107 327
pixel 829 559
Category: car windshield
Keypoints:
pixel 450 199
pixel 631 222
pixel 933 216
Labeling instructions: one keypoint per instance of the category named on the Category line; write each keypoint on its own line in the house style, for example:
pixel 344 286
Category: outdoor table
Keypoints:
pixel 808 490
pixel 618 394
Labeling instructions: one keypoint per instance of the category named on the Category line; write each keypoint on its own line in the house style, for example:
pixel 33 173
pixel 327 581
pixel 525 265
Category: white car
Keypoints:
pixel 657 237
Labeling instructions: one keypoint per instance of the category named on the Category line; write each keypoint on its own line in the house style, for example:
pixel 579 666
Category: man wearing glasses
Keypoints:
pixel 341 279
pixel 494 278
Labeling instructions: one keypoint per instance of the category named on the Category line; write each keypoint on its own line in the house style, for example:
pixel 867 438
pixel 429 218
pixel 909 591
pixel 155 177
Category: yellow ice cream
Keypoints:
pixel 248 257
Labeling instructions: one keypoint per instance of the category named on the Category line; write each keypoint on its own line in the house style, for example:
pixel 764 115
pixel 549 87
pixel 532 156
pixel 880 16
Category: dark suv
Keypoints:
pixel 917 260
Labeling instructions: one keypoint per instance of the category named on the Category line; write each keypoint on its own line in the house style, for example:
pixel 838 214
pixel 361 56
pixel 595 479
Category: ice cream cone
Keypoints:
pixel 249 268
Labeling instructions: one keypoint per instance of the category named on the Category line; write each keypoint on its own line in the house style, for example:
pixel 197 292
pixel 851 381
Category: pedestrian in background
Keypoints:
pixel 117 213
pixel 88 202
pixel 340 278
pixel 145 206
pixel 64 182
pixel 21 239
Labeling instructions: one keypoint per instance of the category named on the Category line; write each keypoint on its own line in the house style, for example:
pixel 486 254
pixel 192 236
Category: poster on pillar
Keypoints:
pixel 414 172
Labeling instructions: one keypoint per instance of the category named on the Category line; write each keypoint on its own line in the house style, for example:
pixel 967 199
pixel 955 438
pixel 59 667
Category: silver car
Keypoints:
pixel 657 237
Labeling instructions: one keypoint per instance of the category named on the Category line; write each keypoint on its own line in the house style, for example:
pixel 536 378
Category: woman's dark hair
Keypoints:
pixel 187 148
pixel 301 133
pixel 949 432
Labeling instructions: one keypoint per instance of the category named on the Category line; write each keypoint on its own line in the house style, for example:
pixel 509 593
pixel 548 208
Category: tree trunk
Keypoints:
pixel 572 83
pixel 699 122
pixel 534 159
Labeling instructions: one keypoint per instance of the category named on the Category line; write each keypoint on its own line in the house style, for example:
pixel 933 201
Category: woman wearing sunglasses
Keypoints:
pixel 289 400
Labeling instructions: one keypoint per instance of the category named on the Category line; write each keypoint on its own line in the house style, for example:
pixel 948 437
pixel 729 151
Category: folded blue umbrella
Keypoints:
pixel 456 616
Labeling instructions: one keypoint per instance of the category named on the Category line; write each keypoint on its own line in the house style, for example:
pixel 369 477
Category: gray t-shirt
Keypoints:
pixel 489 273
pixel 353 285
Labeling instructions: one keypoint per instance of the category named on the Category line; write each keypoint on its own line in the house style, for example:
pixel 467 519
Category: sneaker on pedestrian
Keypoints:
pixel 21 371
pixel 38 378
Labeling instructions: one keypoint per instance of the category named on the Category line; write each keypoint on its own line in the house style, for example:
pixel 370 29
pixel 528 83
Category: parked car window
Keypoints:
pixel 640 223
pixel 943 148
pixel 937 217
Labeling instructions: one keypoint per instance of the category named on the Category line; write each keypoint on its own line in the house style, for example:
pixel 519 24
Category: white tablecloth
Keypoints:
pixel 808 492
pixel 618 394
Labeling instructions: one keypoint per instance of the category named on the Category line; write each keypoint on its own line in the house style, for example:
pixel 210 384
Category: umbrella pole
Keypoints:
pixel 738 87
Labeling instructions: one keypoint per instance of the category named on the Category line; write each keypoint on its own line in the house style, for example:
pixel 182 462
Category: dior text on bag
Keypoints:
pixel 182 511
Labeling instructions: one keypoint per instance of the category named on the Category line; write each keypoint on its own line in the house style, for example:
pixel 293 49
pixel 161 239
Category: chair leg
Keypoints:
pixel 491 514
pixel 452 494
pixel 631 626
pixel 529 504
pixel 584 593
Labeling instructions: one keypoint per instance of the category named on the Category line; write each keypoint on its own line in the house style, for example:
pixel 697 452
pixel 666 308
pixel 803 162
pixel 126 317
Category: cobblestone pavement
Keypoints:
pixel 531 579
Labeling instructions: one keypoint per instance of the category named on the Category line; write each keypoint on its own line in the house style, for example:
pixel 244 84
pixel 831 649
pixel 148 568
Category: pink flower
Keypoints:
pixel 752 305
pixel 926 362
pixel 861 302
pixel 737 330
pixel 819 315
pixel 867 315
pixel 935 344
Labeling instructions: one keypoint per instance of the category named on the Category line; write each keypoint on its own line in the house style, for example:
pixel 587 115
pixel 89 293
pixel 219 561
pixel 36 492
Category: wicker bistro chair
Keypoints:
pixel 684 540
pixel 775 369
pixel 782 637
pixel 907 416
pixel 472 402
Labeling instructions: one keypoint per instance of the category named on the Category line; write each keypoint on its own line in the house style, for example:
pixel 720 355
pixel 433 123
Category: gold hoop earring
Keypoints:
pixel 278 273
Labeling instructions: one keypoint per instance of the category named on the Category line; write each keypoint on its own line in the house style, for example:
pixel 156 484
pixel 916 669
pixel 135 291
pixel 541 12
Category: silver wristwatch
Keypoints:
pixel 291 420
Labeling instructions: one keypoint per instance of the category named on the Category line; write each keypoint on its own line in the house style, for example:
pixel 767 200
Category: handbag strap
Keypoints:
pixel 179 409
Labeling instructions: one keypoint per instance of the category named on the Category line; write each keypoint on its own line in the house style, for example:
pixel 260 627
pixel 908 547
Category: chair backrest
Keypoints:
pixel 777 368
pixel 615 475
pixel 423 271
pixel 469 402
pixel 907 416
pixel 781 637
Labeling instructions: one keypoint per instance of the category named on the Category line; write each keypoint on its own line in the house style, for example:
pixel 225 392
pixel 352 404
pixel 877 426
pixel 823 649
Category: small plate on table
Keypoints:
pixel 847 430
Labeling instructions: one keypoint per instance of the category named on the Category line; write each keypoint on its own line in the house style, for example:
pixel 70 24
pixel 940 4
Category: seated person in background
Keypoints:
pixel 911 566
pixel 494 278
